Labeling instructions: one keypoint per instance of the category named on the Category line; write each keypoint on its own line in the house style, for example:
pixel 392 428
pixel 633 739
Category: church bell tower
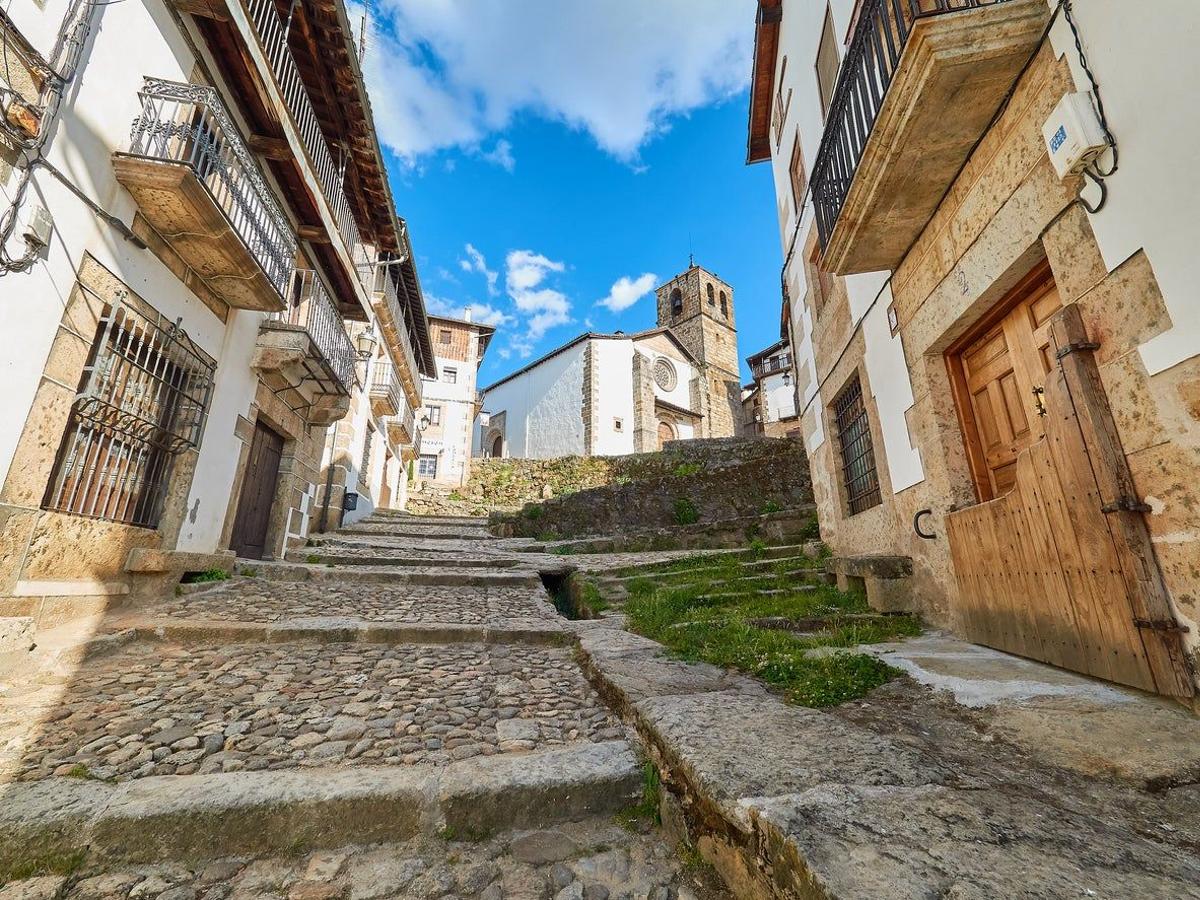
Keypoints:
pixel 698 308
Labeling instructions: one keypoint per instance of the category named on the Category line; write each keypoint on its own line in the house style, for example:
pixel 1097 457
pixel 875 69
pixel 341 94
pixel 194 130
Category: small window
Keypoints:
pixel 618 424
pixel 712 297
pixel 427 465
pixel 798 176
pixel 435 415
pixel 821 282
pixel 724 305
pixel 444 335
pixel 676 302
pixel 780 113
pixel 827 63
pixel 858 455
pixel 449 375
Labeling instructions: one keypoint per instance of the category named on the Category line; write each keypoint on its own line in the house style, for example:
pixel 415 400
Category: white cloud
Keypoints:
pixel 483 313
pixel 501 155
pixel 450 73
pixel 627 291
pixel 475 262
pixel 545 307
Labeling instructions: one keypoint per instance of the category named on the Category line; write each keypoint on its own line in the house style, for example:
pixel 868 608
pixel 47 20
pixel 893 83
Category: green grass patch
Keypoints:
pixel 647 809
pixel 685 469
pixel 770 506
pixel 532 512
pixel 49 862
pixel 712 615
pixel 686 512
pixel 204 577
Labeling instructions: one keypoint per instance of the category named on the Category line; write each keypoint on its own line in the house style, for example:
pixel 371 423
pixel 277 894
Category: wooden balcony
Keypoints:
pixel 402 431
pixel 196 183
pixel 387 397
pixel 305 354
pixel 919 85
pixel 397 337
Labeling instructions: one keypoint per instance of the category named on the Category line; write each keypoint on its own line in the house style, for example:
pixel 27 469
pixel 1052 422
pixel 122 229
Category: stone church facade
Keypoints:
pixel 612 394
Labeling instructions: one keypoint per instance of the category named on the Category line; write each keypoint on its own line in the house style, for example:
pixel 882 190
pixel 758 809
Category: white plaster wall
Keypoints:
pixel 1145 60
pixel 778 398
pixel 544 406
pixel 891 385
pixel 457 402
pixel 93 122
pixel 615 400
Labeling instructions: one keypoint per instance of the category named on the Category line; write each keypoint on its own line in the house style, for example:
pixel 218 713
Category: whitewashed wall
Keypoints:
pixel 457 400
pixel 891 385
pixel 779 400
pixel 615 400
pixel 544 407
pixel 1145 60
pixel 93 123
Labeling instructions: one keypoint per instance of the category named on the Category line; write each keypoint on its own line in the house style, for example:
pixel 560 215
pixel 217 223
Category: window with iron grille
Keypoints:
pixel 858 455
pixel 797 174
pixel 142 399
pixel 427 466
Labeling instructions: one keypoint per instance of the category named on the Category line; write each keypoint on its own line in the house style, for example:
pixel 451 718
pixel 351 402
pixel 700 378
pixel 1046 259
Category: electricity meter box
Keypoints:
pixel 1074 135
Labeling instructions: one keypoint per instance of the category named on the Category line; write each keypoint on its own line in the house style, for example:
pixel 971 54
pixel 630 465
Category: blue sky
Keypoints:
pixel 551 159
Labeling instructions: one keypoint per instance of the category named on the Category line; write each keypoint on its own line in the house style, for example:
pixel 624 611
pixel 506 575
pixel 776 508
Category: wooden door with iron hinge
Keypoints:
pixel 253 519
pixel 1056 562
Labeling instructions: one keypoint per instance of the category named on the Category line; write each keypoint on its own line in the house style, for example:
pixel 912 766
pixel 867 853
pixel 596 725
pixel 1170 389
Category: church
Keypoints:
pixel 613 394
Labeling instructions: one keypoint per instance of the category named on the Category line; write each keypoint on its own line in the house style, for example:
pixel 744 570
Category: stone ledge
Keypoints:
pixel 150 561
pixel 870 566
pixel 196 816
pixel 340 631
pixel 883 578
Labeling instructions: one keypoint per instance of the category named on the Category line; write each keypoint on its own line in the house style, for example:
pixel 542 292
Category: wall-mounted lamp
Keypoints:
pixel 365 343
pixel 787 379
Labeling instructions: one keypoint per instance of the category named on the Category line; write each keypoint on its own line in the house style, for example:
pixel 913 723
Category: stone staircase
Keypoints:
pixel 401 678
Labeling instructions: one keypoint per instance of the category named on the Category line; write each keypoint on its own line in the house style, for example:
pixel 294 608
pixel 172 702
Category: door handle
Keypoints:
pixel 1039 401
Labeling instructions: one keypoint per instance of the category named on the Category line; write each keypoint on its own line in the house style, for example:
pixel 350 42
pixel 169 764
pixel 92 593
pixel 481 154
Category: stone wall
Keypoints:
pixel 692 482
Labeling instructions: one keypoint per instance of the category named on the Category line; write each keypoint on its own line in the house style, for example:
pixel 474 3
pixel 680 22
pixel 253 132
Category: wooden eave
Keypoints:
pixel 762 79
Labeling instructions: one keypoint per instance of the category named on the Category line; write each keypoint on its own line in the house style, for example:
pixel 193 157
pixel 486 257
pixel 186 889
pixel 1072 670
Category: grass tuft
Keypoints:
pixel 203 577
pixel 686 512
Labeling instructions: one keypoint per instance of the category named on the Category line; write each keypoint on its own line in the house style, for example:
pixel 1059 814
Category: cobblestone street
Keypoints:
pixel 380 661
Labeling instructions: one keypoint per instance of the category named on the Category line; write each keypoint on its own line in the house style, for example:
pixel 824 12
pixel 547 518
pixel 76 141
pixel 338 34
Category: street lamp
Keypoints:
pixel 787 379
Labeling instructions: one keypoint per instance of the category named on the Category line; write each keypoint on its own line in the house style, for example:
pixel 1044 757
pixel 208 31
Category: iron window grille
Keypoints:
pixel 858 455
pixel 427 466
pixel 187 123
pixel 143 399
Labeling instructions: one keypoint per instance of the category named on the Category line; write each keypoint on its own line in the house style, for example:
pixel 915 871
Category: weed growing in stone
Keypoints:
pixel 646 811
pixel 685 469
pixel 205 576
pixel 312 558
pixel 42 864
pixel 770 507
pixel 766 621
pixel 532 512
pixel 686 512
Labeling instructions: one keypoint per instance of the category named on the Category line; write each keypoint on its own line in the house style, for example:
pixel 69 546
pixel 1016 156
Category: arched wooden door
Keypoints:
pixel 498 447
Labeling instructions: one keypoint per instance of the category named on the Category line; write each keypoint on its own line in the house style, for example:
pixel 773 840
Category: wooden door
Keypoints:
pixel 258 494
pixel 999 378
pixel 1060 566
pixel 665 433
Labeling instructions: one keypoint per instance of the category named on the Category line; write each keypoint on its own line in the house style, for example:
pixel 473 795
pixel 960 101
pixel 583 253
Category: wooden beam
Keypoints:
pixel 314 234
pixel 1147 592
pixel 270 147
pixel 205 9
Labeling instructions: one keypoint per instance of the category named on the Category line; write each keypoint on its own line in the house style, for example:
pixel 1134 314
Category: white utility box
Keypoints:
pixel 1073 134
pixel 36 225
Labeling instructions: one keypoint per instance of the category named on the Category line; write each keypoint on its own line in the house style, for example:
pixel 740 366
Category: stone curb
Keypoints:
pixel 389 530
pixel 384 558
pixel 445 577
pixel 201 816
pixel 336 631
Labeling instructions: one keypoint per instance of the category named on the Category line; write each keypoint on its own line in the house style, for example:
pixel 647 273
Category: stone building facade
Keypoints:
pixel 997 367
pixel 452 399
pixel 698 308
pixel 191 300
pixel 769 402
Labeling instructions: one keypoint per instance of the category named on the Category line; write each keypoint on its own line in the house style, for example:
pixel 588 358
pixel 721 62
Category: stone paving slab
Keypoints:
pixel 594 857
pixel 257 600
pixel 439 575
pixel 151 710
pixel 198 816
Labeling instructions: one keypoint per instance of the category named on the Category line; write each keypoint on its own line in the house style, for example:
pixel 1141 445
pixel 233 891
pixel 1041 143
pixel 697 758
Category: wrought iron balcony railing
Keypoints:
pixel 187 123
pixel 264 17
pixel 867 71
pixel 386 386
pixel 311 308
pixel 385 289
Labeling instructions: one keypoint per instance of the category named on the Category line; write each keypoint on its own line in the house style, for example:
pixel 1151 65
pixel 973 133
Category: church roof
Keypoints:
pixel 595 336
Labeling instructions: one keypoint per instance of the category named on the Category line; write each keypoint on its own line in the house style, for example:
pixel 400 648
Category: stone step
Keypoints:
pixel 440 575
pixel 380 556
pixel 183 817
pixel 666 578
pixel 430 533
pixel 389 515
